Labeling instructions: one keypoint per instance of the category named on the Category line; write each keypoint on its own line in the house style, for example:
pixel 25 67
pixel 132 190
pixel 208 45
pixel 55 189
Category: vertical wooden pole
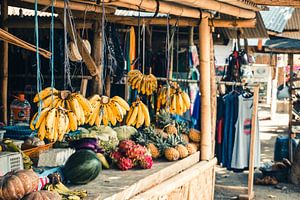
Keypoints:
pixel 213 97
pixel 191 36
pixel 107 83
pixel 97 55
pixel 291 64
pixel 274 89
pixel 204 46
pixel 252 142
pixel 4 64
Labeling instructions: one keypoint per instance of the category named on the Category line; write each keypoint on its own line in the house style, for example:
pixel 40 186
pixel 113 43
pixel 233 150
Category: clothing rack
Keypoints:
pixel 177 80
pixel 248 190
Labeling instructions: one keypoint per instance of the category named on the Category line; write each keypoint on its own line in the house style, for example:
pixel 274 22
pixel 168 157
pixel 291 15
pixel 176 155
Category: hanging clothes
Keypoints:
pixel 196 115
pixel 241 150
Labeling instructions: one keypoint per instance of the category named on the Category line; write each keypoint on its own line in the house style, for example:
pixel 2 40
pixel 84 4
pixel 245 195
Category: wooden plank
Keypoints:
pixel 213 97
pixel 4 65
pixel 83 86
pixel 233 189
pixel 205 89
pixel 86 57
pixel 177 181
pixel 252 141
pixel 291 64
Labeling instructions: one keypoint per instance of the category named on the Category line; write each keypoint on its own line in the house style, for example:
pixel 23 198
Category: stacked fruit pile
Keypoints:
pixel 107 110
pixel 173 98
pixel 138 114
pixel 145 84
pixel 130 154
pixel 161 144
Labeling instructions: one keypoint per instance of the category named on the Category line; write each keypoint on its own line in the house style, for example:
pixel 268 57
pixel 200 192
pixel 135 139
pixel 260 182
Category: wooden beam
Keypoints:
pixel 97 55
pixel 133 21
pixel 4 64
pixel 164 7
pixel 289 3
pixel 205 89
pixel 242 4
pixel 28 23
pixel 219 7
pixel 213 91
pixel 86 57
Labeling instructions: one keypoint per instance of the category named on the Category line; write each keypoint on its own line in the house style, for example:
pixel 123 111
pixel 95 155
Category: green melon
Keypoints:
pixel 82 167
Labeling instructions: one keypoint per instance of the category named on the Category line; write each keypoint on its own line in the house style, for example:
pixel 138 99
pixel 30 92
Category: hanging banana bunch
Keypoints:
pixel 138 114
pixel 145 84
pixel 107 110
pixel 173 98
pixel 62 112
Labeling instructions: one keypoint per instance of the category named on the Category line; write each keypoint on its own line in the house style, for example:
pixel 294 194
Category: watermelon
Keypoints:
pixel 82 167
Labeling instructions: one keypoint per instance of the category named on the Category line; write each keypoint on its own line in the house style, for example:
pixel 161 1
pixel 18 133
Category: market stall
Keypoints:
pixel 106 146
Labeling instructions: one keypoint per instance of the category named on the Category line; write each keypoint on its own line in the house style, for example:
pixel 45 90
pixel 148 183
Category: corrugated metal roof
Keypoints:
pixel 292 28
pixel 258 32
pixel 283 44
pixel 276 18
pixel 17 11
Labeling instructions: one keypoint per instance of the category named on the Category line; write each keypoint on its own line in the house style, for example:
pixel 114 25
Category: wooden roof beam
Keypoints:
pixel 219 7
pixel 290 3
pixel 242 4
pixel 184 22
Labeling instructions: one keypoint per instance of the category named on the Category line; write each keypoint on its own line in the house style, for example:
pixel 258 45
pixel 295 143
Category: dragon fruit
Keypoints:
pixel 136 152
pixel 115 156
pixel 146 162
pixel 125 145
pixel 125 163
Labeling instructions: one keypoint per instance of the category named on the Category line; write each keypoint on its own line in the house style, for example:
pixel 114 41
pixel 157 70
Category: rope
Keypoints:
pixel 52 50
pixel 38 70
pixel 103 46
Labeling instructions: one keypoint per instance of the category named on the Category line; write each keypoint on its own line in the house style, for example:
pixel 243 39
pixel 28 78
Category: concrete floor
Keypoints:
pixel 269 130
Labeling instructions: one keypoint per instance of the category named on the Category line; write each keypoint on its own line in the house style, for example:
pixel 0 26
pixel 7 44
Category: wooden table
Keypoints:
pixel 185 177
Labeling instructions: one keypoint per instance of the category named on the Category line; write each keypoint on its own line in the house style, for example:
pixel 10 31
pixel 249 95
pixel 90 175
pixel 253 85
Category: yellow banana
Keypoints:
pixel 43 114
pixel 135 81
pixel 105 116
pixel 98 119
pixel 121 102
pixel 72 120
pixel 111 116
pixel 50 123
pixel 140 116
pixel 133 115
pixel 116 112
pixel 92 117
pixel 93 99
pixel 85 104
pixel 32 126
pixel 75 107
pixel 134 72
pixel 129 114
pixel 179 103
pixel 173 104
pixel 48 101
pixel 44 93
pixel 61 126
pixel 42 130
pixel 186 100
pixel 146 114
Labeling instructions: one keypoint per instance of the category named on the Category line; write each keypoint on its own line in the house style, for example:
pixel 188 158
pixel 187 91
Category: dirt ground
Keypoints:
pixel 269 130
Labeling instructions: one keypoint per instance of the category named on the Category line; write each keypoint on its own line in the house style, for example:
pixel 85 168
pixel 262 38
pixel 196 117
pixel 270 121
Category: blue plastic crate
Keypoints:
pixel 17 132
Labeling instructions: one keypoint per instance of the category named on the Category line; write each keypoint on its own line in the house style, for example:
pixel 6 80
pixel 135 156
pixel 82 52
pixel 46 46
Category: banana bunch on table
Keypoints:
pixel 173 98
pixel 145 84
pixel 66 193
pixel 138 114
pixel 107 110
pixel 62 112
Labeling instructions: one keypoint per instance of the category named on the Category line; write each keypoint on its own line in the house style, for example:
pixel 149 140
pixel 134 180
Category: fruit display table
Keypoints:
pixel 184 179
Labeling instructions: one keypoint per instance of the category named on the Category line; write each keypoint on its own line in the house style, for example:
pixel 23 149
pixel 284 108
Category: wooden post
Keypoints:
pixel 204 46
pixel 291 64
pixel 4 64
pixel 191 36
pixel 252 142
pixel 97 55
pixel 213 97
pixel 274 89
pixel 107 83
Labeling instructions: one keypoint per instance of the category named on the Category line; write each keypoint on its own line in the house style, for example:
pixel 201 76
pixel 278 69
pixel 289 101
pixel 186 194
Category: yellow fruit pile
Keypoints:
pixel 145 84
pixel 62 111
pixel 138 114
pixel 173 98
pixel 107 110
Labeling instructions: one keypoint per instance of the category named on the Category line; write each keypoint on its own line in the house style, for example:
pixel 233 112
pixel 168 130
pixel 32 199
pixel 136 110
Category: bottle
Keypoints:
pixel 20 111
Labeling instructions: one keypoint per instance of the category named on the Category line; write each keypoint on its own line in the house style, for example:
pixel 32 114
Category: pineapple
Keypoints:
pixel 155 153
pixel 185 138
pixel 171 154
pixel 194 135
pixel 183 152
pixel 192 148
pixel 196 144
pixel 163 118
pixel 183 127
pixel 170 129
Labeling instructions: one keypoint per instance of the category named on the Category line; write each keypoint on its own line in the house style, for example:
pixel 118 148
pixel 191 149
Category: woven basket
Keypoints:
pixel 35 152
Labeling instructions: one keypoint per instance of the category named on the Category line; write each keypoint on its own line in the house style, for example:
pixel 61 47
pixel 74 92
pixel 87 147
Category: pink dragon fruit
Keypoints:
pixel 115 156
pixel 125 163
pixel 125 145
pixel 136 152
pixel 146 162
